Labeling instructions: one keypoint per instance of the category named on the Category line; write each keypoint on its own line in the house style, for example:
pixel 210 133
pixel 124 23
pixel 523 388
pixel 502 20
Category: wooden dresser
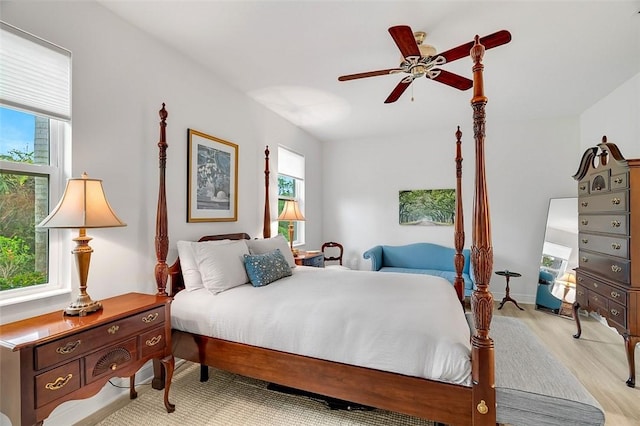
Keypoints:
pixel 53 358
pixel 608 276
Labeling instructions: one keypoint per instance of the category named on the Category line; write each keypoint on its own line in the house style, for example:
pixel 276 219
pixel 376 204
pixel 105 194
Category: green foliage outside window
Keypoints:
pixel 286 190
pixel 17 227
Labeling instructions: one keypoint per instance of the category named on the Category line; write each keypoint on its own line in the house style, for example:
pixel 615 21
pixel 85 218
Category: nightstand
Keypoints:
pixel 315 259
pixel 53 358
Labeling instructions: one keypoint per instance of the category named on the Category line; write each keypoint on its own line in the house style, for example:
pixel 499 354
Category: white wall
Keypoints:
pixel 527 163
pixel 121 76
pixel 615 116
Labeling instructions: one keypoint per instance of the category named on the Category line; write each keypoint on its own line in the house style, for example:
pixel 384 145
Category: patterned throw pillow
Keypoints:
pixel 266 268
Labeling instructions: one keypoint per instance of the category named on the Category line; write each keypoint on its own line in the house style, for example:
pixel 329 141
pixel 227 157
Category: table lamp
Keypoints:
pixel 83 205
pixel 291 212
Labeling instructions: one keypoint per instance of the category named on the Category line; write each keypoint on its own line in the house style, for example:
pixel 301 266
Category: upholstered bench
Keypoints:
pixel 420 258
pixel 532 387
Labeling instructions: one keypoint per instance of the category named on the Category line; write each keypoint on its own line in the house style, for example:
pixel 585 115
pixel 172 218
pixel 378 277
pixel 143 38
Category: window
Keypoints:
pixel 290 187
pixel 35 110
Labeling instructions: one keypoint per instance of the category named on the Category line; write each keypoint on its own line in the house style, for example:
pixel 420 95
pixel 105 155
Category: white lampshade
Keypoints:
pixel 83 205
pixel 291 211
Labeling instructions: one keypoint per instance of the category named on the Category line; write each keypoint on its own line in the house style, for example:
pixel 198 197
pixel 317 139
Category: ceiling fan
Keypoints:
pixel 421 60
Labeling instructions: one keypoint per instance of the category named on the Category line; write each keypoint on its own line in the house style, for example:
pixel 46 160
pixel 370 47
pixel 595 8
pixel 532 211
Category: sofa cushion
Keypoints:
pixel 448 275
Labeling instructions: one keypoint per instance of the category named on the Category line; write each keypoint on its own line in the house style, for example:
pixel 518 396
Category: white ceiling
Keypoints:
pixel 564 56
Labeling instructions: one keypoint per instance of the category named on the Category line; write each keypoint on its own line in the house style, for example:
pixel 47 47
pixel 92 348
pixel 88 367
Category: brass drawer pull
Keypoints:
pixel 615 312
pixel 585 241
pixel 615 224
pixel 615 246
pixel 618 180
pixel 583 187
pixel 615 201
pixel 154 341
pixel 595 285
pixel 68 348
pixel 585 259
pixel 615 294
pixel 585 203
pixel 616 268
pixel 113 329
pixel 59 383
pixel 584 222
pixel 596 298
pixel 150 318
pixel 580 292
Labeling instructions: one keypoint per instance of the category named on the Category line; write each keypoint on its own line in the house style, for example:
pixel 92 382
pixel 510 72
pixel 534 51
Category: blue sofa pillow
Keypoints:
pixel 266 268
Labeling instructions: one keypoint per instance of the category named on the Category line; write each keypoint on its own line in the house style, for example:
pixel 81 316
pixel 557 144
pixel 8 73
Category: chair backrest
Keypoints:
pixel 334 247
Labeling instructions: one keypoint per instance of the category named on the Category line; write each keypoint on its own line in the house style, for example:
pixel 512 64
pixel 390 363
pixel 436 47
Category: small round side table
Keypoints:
pixel 507 298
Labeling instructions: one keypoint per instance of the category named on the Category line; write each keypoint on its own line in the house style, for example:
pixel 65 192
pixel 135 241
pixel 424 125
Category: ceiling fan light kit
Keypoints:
pixel 420 60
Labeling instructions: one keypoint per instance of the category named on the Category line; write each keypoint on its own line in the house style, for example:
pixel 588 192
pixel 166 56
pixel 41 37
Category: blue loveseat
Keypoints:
pixel 420 258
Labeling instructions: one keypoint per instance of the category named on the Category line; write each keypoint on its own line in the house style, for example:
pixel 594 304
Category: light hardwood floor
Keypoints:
pixel 597 359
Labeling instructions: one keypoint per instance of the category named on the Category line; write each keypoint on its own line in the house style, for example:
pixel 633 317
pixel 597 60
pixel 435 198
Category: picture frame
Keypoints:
pixel 212 178
pixel 427 207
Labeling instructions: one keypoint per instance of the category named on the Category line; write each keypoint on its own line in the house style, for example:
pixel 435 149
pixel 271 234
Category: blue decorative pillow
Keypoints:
pixel 266 268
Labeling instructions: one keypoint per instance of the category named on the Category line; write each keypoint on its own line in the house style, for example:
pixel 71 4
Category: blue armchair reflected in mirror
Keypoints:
pixel 559 252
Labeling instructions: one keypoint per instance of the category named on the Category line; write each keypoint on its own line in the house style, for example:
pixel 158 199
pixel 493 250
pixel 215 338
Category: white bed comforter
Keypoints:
pixel 404 323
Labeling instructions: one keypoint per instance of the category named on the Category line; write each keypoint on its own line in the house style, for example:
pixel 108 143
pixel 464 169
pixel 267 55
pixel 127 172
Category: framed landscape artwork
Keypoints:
pixel 427 207
pixel 212 179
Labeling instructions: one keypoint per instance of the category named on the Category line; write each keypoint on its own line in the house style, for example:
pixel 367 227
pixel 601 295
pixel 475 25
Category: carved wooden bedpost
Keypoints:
pixel 266 222
pixel 483 395
pixel 162 235
pixel 458 233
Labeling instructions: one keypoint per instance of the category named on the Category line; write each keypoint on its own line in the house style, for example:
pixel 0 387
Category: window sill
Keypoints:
pixel 31 296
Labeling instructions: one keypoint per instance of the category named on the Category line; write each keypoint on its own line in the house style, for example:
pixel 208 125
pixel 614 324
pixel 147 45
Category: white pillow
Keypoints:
pixel 222 266
pixel 268 245
pixel 189 265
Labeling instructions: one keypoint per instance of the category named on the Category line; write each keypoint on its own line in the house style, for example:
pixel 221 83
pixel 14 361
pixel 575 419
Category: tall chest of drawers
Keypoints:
pixel 53 358
pixel 608 276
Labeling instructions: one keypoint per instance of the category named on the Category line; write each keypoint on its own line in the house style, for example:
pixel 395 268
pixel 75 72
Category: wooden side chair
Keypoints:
pixel 333 248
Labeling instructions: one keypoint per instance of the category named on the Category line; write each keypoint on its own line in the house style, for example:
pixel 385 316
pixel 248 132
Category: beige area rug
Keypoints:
pixel 228 399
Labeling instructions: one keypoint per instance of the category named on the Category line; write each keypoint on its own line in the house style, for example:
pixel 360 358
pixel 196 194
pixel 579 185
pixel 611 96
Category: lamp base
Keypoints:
pixel 82 306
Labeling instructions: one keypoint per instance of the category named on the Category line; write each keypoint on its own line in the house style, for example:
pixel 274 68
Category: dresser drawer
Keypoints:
pixel 599 182
pixel 64 349
pixel 617 313
pixel 607 266
pixel 110 360
pixel 610 224
pixel 56 383
pixel 610 202
pixel 583 187
pixel 598 303
pixel 614 246
pixel 602 288
pixel 582 296
pixel 152 342
pixel 620 181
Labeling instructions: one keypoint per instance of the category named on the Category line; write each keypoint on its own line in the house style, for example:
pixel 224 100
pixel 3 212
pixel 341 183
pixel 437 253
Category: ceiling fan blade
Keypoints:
pixel 404 38
pixel 453 80
pixel 492 40
pixel 368 74
pixel 398 91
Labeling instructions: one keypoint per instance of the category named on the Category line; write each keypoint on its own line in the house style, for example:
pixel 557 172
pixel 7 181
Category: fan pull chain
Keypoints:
pixel 412 93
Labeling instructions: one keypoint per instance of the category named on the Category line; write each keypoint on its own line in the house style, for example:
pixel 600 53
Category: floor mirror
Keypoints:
pixel 559 258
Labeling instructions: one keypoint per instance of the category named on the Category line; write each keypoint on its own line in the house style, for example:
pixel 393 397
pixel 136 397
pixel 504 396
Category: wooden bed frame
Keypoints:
pixel 428 399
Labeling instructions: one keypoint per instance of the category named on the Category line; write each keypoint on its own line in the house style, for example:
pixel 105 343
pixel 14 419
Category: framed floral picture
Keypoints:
pixel 212 179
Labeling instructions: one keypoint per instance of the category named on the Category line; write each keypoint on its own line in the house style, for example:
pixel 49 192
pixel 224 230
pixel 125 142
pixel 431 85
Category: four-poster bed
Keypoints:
pixel 456 404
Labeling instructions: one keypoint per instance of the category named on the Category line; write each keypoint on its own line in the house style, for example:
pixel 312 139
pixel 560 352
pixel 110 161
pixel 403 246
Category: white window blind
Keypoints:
pixel 290 163
pixel 35 75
